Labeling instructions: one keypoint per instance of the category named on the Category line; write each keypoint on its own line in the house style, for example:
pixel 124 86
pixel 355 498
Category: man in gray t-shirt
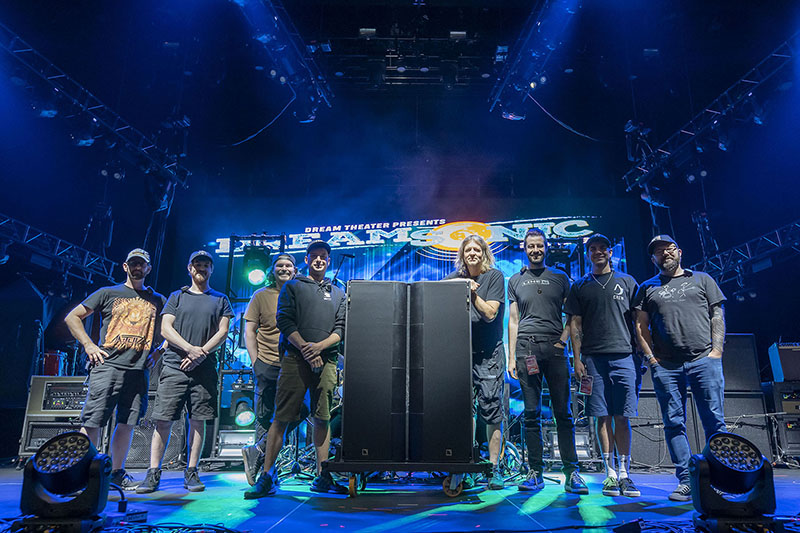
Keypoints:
pixel 680 328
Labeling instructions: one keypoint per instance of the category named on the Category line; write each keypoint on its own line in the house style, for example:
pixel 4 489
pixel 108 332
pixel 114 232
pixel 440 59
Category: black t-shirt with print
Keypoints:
pixel 539 295
pixel 131 324
pixel 680 314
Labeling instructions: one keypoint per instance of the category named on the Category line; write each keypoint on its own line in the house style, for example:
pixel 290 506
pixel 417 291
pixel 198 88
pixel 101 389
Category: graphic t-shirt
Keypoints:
pixel 605 304
pixel 131 324
pixel 540 298
pixel 261 310
pixel 487 336
pixel 680 314
pixel 197 318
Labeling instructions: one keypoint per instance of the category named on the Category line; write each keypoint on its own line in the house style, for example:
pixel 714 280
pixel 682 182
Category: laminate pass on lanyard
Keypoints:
pixel 531 364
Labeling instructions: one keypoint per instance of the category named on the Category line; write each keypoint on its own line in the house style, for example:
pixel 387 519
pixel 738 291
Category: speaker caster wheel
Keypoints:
pixel 352 486
pixel 453 485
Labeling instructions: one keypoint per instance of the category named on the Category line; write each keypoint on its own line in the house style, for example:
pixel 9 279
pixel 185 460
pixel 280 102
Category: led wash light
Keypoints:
pixel 256 261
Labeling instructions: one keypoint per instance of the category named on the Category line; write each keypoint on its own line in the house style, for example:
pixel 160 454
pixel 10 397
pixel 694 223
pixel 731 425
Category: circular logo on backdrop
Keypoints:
pixel 453 233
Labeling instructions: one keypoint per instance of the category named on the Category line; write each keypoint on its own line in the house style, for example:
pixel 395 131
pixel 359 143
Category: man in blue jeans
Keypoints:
pixel 680 328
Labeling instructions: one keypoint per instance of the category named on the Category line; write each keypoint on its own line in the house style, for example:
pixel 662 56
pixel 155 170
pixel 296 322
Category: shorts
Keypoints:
pixel 488 382
pixel 266 378
pixel 295 379
pixel 615 385
pixel 197 390
pixel 111 387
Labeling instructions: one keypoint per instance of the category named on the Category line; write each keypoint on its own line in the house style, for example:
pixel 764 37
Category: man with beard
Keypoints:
pixel 195 323
pixel 488 294
pixel 680 328
pixel 261 337
pixel 536 340
pixel 311 320
pixel 600 306
pixel 118 378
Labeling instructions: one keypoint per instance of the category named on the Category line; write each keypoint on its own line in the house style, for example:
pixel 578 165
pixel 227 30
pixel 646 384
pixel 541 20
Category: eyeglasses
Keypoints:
pixel 669 249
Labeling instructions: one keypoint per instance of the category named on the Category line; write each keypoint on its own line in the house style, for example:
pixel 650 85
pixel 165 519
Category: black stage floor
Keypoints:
pixel 402 506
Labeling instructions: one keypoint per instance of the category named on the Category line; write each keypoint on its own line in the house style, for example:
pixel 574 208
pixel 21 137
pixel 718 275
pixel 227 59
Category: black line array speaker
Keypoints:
pixel 648 443
pixel 407 373
pixel 374 411
pixel 745 415
pixel 440 373
pixel 739 365
pixel 139 454
pixel 54 407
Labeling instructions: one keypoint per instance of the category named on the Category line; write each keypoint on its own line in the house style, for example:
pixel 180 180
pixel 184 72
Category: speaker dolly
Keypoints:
pixel 452 485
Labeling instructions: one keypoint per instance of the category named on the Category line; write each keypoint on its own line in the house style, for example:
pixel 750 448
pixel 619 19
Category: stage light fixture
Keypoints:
pixel 256 261
pixel 65 484
pixel 244 415
pixel 732 485
pixel 449 71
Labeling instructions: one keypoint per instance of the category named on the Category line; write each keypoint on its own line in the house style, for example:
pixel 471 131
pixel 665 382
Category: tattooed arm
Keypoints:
pixel 717 330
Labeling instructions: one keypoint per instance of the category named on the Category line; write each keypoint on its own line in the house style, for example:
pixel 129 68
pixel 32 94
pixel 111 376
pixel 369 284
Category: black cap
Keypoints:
pixel 598 237
pixel 658 239
pixel 200 254
pixel 318 244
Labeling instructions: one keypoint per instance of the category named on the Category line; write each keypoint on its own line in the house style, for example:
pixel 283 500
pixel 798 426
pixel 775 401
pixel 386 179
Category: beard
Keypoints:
pixel 136 275
pixel 669 265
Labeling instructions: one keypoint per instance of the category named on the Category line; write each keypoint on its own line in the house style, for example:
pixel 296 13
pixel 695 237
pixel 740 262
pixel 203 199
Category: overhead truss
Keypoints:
pixel 754 255
pixel 72 259
pixel 151 157
pixel 684 141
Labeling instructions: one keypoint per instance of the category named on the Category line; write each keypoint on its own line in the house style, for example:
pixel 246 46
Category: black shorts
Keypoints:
pixel 197 390
pixel 111 387
pixel 266 377
pixel 488 382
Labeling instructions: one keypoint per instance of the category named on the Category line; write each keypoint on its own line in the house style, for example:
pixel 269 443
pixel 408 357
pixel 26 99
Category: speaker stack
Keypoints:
pixel 139 454
pixel 407 373
pixel 783 398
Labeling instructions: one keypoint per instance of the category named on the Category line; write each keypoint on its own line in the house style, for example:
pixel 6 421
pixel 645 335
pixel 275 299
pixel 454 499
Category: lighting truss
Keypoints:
pixel 274 30
pixel 754 255
pixel 76 261
pixel 727 104
pixel 153 158
pixel 527 62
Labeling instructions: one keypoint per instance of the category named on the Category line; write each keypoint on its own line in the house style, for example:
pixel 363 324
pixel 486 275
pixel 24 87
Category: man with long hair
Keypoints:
pixel 475 264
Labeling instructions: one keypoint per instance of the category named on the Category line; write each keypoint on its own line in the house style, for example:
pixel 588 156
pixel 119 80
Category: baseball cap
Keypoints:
pixel 318 244
pixel 201 254
pixel 138 252
pixel 598 237
pixel 658 239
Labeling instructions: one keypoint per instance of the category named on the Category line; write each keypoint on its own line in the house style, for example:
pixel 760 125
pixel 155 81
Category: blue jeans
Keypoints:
pixel 704 376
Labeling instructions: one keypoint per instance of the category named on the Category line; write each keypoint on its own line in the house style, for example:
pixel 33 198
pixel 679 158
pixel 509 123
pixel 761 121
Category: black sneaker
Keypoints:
pixel 191 480
pixel 152 479
pixel 627 488
pixel 682 493
pixel 611 486
pixel 496 480
pixel 263 486
pixel 325 483
pixel 575 484
pixel 533 481
pixel 253 460
pixel 123 480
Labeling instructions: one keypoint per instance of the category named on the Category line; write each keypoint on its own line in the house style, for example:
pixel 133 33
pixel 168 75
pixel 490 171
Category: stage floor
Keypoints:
pixel 397 505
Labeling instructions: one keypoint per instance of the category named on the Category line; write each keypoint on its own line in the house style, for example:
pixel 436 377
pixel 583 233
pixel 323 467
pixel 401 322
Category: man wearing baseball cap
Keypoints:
pixel 680 328
pixel 311 321
pixel 195 324
pixel 118 379
pixel 600 306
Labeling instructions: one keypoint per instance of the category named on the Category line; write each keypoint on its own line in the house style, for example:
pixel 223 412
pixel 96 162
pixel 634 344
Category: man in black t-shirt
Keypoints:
pixel 601 326
pixel 195 325
pixel 680 328
pixel 536 339
pixel 474 264
pixel 131 314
